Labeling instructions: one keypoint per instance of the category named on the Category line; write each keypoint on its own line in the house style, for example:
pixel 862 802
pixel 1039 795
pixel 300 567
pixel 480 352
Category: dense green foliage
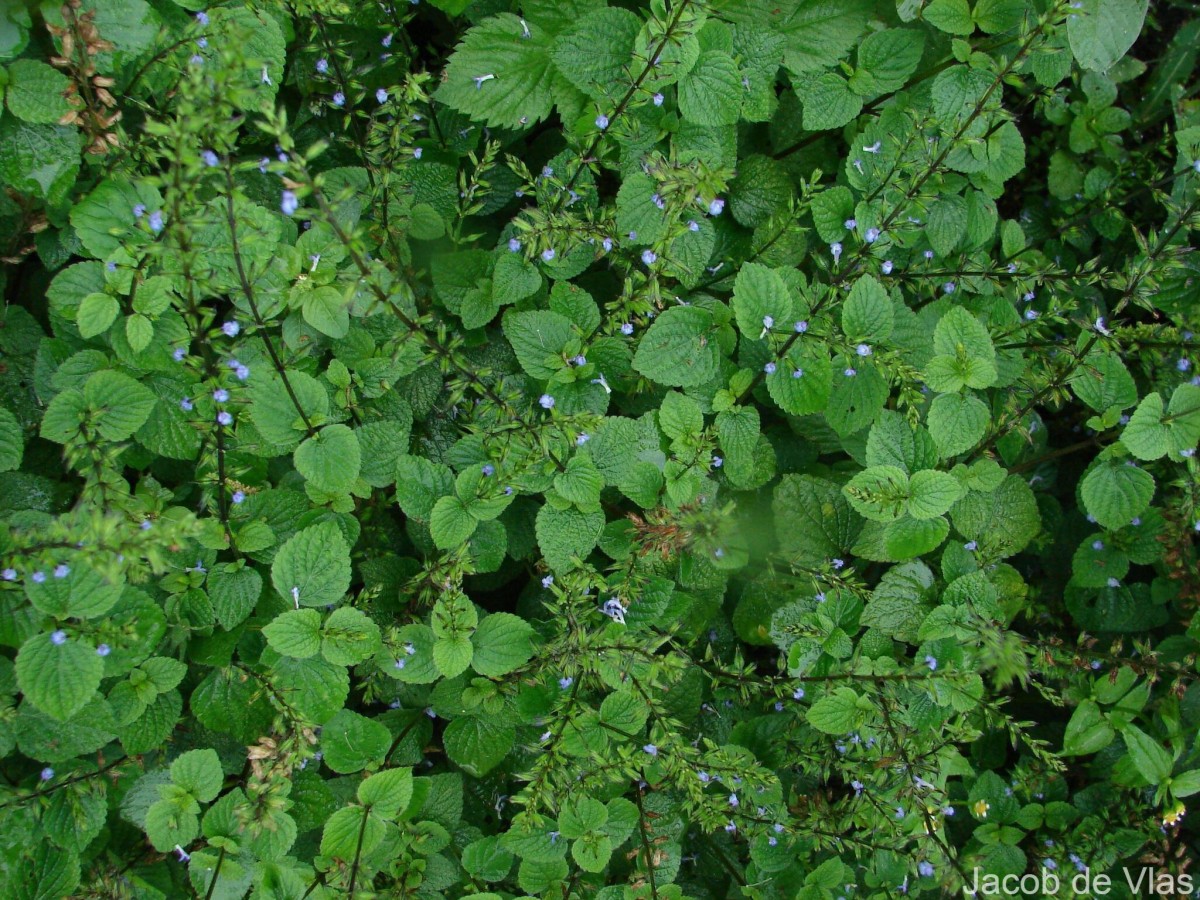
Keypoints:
pixel 675 449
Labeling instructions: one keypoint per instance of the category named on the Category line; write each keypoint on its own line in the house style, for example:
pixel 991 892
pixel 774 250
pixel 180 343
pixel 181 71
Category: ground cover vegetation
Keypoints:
pixel 584 449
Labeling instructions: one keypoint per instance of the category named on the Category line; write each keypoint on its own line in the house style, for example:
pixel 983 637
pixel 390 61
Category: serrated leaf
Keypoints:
pixel 58 679
pixel 759 295
pixel 835 713
pixel 677 350
pixel 330 459
pixel 313 566
pixel 477 745
pixel 711 93
pixel 295 633
pixel 867 314
pixel 518 93
pixel 1115 493
pixel 503 642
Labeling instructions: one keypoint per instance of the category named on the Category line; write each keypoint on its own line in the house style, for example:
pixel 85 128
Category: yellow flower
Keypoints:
pixel 981 808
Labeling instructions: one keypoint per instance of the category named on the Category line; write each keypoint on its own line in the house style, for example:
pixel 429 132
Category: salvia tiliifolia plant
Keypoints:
pixel 566 449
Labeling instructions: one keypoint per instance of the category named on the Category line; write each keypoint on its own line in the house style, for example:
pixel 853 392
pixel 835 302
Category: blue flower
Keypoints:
pixel 601 121
pixel 582 439
pixel 627 328
pixel 546 401
pixel 649 257
pixel 178 354
pixel 565 682
pixel 547 581
pixel 931 661
pixel 836 249
pixel 650 750
pixel 798 694
pixel 949 287
pixel 9 574
pixel 971 545
pixel 488 470
pixel 850 373
pixel 381 95
pixel 863 349
pixel 387 40
pixel 202 18
pixel 238 497
pixel 925 869
pixel 850 224
pixel 62 570
pixel 210 159
pixel 58 638
pixel 47 773
pixel 872 235
pixel 886 268
pixel 717 462
pixel 607 244
pixel 800 327
pixel 241 373
pixel 156 221
pixel 417 151
pixel 548 254
pixel 513 245
pixel 769 368
pixel 146 525
pixel 220 395
pixel 716 207
pixel 224 418
pixel 231 328
pixel 733 801
pixel 38 577
pixel 288 203
pixel 139 210
pixel 186 405
pixel 657 99
pixel 103 650
pixel 339 99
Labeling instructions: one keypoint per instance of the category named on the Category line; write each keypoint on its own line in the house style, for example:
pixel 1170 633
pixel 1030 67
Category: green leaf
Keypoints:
pixel 817 32
pixel 951 16
pixel 932 493
pixel 451 523
pixel 711 93
pixel 519 93
pixel 965 356
pixel 330 460
pixel 168 825
pixel 828 102
pixel 802 383
pixel 677 350
pixel 909 537
pixel 738 430
pixel 887 58
pixel 12 441
pixel 233 590
pixel 349 636
pixel 325 309
pixel 1152 761
pixel 946 225
pixel 312 568
pixel 813 519
pixel 273 411
pixel 514 279
pixel 596 53
pixel 420 482
pixel 835 713
pixel 477 745
pixel 36 92
pixel 995 16
pixel 580 483
pixel 566 533
pixel 96 314
pixel 84 593
pixel 538 338
pixel 867 314
pixel 1088 731
pixel 388 793
pixel 831 208
pixel 1102 31
pixel 352 742
pixel 1114 493
pixel 1151 434
pixel 957 423
pixel 856 400
pixel 122 403
pixel 58 679
pixel 894 442
pixel 351 832
pixel 880 493
pixel 295 633
pixel 199 773
pixel 452 655
pixel 759 295
pixel 584 815
pixel 503 642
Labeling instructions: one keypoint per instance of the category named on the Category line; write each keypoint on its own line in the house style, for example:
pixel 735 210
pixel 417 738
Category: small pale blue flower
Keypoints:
pixel 103 650
pixel 289 203
pixel 657 99
pixel 238 497
pixel 546 401
pixel 548 254
pixel 62 570
pixel 210 159
pixel 58 638
pixel 601 121
pixel 627 328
